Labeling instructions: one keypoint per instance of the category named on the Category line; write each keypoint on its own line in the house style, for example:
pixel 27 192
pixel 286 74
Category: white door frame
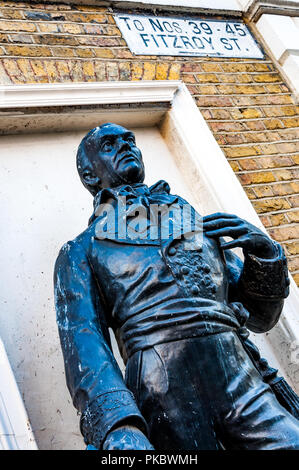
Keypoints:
pixel 170 106
pixel 15 428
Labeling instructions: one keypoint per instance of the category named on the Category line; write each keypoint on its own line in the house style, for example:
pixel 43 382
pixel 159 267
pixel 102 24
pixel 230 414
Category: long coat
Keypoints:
pixel 148 292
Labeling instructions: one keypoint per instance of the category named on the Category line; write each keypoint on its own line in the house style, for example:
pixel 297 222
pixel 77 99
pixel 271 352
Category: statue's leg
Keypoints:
pixel 250 416
pixel 168 393
pixel 197 392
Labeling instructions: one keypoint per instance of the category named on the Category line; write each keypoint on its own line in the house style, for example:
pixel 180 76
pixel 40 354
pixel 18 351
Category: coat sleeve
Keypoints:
pixel 93 377
pixel 260 285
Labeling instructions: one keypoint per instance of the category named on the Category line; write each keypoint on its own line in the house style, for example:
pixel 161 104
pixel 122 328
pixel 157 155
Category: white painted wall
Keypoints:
pixel 281 34
pixel 43 204
pixel 244 4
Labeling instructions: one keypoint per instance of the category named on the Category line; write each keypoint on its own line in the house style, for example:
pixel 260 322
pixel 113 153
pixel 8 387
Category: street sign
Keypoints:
pixel 155 35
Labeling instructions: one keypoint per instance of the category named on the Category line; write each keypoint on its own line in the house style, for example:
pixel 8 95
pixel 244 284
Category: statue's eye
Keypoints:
pixel 131 139
pixel 106 146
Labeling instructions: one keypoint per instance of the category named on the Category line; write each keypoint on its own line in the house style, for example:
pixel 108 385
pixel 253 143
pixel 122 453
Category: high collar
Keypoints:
pixel 129 190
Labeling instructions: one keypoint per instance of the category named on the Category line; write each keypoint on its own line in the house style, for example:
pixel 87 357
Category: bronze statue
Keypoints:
pixel 179 302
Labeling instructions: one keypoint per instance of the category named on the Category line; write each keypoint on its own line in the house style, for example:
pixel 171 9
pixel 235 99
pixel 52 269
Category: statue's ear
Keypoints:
pixel 90 179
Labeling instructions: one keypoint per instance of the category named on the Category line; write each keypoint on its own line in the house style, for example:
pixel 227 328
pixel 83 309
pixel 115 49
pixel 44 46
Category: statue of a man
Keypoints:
pixel 176 304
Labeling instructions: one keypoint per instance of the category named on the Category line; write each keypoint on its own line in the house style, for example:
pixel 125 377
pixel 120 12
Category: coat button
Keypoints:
pixel 195 290
pixel 172 251
pixel 206 268
pixel 184 270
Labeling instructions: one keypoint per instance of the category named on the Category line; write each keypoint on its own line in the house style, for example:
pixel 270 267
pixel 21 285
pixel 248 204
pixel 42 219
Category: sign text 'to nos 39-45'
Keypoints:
pixel 151 35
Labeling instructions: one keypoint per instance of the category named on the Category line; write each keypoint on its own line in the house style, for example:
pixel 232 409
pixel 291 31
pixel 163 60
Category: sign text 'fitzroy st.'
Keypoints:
pixel 152 35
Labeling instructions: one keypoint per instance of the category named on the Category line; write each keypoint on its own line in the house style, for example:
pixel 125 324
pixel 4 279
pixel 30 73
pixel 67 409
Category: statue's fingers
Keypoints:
pixel 228 232
pixel 219 223
pixel 219 215
pixel 239 242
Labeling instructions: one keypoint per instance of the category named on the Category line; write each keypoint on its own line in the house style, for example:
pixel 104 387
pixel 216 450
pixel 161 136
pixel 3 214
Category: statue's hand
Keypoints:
pixel 244 234
pixel 127 438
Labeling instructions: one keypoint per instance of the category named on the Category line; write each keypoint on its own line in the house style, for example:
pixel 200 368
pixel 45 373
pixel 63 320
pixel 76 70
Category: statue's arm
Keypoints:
pixel 93 377
pixel 261 285
pixel 261 282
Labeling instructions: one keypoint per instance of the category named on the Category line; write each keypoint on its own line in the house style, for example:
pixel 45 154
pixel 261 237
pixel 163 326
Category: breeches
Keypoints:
pixel 205 394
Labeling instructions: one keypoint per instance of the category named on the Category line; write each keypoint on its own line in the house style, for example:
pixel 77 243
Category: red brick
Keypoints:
pixel 214 101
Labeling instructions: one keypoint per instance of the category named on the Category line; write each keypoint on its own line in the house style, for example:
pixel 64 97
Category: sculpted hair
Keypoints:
pixel 85 150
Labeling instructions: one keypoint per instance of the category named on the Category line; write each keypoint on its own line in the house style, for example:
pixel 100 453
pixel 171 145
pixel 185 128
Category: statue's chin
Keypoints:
pixel 133 174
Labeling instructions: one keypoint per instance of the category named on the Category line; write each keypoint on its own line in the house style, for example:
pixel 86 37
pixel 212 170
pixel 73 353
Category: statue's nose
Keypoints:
pixel 124 144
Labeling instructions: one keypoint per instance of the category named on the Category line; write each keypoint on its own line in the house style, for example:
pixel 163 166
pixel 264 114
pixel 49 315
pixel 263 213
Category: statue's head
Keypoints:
pixel 108 157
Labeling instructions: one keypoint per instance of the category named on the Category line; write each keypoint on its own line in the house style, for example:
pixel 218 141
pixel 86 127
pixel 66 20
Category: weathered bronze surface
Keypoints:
pixel 179 302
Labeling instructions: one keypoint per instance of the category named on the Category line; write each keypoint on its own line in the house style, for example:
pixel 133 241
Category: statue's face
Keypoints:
pixel 117 160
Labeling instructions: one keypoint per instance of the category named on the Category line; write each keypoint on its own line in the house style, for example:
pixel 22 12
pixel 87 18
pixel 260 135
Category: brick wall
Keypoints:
pixel 246 103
